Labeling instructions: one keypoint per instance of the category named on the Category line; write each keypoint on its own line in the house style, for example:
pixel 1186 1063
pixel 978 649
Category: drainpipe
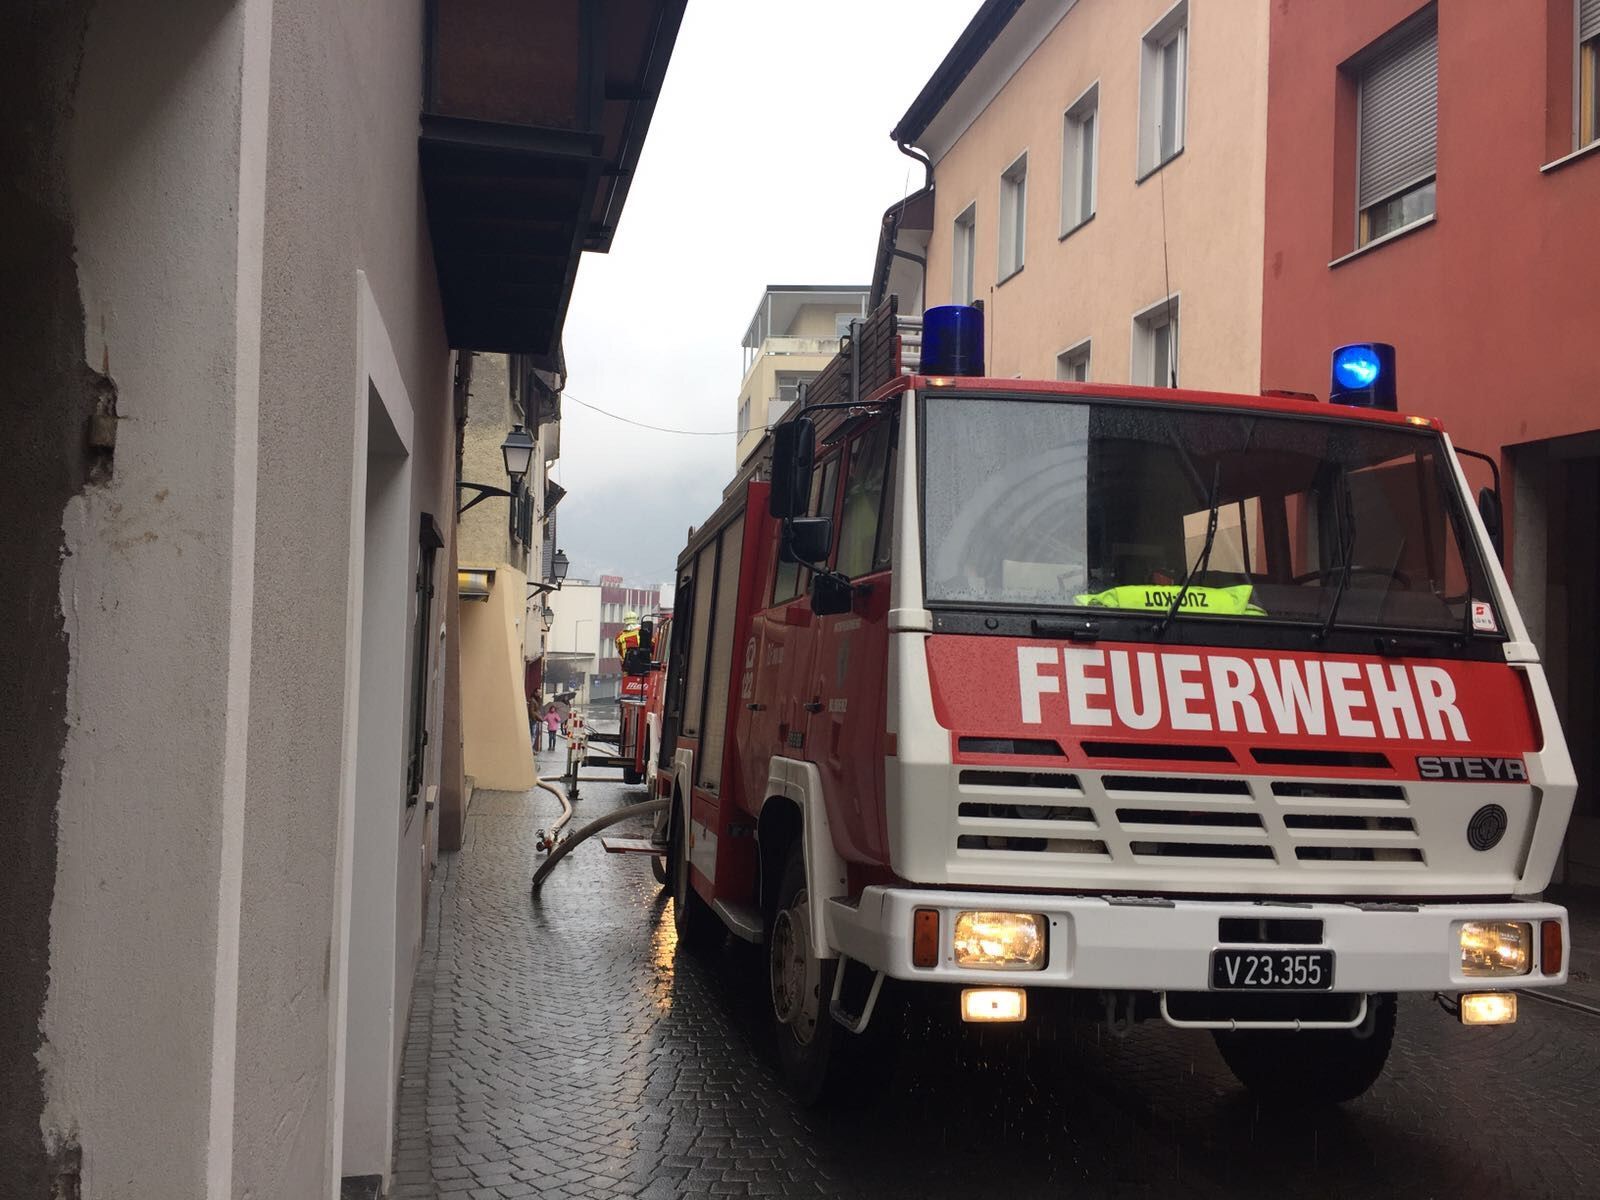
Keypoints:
pixel 912 152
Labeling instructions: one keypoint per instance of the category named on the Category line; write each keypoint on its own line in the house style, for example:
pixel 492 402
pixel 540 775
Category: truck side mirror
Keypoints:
pixel 647 636
pixel 808 539
pixel 831 594
pixel 794 446
pixel 1493 515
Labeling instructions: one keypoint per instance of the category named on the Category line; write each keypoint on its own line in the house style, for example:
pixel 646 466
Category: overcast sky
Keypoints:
pixel 768 161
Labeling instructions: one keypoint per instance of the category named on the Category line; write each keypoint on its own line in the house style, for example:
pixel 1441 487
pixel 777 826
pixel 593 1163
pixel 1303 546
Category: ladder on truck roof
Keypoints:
pixel 878 348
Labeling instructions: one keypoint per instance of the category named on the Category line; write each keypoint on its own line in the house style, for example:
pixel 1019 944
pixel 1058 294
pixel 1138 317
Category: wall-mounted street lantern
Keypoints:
pixel 559 566
pixel 517 450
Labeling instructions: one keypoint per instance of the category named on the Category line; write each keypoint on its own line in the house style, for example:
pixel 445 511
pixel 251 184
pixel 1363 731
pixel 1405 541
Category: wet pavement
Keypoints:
pixel 564 1048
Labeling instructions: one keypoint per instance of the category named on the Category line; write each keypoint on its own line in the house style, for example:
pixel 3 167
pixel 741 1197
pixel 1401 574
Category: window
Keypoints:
pixel 788 583
pixel 1398 92
pixel 744 416
pixel 521 519
pixel 863 501
pixel 884 556
pixel 1013 216
pixel 1163 78
pixel 1072 365
pixel 1080 128
pixel 699 627
pixel 1155 345
pixel 1102 505
pixel 708 763
pixel 964 255
pixel 1588 71
pixel 789 384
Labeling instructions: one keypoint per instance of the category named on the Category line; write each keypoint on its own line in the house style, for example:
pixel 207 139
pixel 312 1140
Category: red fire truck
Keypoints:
pixel 643 692
pixel 1152 703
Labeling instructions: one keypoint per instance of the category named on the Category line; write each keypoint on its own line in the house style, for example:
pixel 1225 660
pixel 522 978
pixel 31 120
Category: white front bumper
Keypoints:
pixel 1142 945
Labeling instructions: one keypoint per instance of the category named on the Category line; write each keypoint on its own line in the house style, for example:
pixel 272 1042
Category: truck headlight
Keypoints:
pixel 1496 948
pixel 1009 941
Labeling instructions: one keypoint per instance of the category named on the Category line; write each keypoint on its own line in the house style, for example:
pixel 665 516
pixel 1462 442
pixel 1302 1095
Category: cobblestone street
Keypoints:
pixel 564 1049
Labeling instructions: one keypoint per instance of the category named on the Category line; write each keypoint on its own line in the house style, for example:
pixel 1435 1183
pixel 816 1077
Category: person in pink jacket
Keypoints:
pixel 552 722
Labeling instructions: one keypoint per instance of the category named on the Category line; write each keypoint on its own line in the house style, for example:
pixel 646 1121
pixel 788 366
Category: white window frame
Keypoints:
pixel 964 255
pixel 1012 238
pixel 1078 352
pixel 1172 28
pixel 1074 147
pixel 1163 314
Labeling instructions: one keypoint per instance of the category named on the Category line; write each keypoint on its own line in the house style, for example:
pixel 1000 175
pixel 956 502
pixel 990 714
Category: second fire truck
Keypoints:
pixel 1166 704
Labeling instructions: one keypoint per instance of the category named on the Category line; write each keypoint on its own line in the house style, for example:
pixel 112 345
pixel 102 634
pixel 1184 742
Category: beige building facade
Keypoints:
pixel 1098 175
pixel 248 247
pixel 791 337
pixel 501 546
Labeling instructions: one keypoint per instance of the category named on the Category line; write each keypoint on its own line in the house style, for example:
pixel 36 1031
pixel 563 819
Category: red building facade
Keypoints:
pixel 1433 180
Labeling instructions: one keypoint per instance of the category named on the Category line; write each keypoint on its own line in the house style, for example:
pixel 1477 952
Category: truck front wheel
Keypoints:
pixel 1316 1067
pixel 801 985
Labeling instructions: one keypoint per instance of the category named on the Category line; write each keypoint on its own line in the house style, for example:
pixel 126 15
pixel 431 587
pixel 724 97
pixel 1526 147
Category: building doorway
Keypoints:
pixel 1558 503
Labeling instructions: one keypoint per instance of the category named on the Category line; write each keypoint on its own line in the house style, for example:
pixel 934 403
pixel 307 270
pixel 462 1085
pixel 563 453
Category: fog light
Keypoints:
pixel 1496 948
pixel 1009 941
pixel 994 1004
pixel 1489 1008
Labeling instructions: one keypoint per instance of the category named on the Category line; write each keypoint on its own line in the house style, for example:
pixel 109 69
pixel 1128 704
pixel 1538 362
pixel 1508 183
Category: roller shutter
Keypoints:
pixel 1399 113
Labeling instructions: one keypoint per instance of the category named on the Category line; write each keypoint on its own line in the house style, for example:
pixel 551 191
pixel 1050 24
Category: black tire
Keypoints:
pixel 699 929
pixel 631 777
pixel 1316 1068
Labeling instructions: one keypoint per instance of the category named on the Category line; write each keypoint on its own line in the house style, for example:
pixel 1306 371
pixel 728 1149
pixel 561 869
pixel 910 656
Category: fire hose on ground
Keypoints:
pixel 547 841
pixel 616 816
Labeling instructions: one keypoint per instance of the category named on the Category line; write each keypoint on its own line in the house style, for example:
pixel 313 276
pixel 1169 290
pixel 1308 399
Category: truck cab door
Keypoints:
pixel 848 681
pixel 779 658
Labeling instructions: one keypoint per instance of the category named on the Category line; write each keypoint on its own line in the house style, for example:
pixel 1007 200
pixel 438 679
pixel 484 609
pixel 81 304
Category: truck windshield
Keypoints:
pixel 1104 505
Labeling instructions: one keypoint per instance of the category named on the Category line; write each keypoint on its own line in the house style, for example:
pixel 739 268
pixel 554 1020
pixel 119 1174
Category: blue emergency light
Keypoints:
pixel 952 340
pixel 1364 376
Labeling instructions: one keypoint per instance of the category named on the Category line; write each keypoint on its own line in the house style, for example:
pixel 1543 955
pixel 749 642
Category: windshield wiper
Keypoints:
pixel 1213 501
pixel 1347 547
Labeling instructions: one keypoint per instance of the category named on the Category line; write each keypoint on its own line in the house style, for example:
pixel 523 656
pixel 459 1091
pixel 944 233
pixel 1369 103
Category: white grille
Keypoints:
pixel 1150 827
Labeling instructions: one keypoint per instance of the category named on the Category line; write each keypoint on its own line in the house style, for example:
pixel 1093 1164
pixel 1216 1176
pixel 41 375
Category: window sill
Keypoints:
pixel 1376 243
pixel 1565 159
pixel 1005 279
pixel 1156 170
pixel 1068 233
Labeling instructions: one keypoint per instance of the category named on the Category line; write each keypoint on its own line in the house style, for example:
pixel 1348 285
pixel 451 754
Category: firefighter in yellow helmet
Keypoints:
pixel 628 639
